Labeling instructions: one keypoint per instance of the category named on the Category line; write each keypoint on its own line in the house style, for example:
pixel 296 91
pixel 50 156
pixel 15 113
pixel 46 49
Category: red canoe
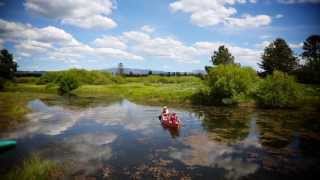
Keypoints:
pixel 170 120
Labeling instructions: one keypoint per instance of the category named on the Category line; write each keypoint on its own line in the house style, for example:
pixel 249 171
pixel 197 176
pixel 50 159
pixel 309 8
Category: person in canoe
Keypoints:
pixel 165 110
pixel 169 119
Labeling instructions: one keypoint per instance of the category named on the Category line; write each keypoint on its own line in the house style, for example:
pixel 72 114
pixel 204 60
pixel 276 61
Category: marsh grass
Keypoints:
pixel 146 92
pixel 13 106
pixel 36 168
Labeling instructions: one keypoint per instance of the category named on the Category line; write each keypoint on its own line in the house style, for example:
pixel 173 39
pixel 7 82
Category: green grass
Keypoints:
pixel 149 89
pixel 13 106
pixel 144 92
pixel 36 168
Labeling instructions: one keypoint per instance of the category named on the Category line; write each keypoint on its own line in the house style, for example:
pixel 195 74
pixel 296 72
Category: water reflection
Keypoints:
pixel 174 132
pixel 83 152
pixel 234 159
pixel 129 139
pixel 226 124
pixel 54 120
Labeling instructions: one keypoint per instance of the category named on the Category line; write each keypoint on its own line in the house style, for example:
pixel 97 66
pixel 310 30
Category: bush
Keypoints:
pixel 67 84
pixel 231 83
pixel 82 76
pixel 278 90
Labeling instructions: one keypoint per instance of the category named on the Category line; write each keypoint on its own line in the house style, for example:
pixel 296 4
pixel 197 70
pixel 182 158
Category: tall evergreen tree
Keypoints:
pixel 222 56
pixel 278 56
pixel 311 55
pixel 8 67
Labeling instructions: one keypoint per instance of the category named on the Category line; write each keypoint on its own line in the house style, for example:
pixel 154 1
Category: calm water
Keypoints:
pixel 119 139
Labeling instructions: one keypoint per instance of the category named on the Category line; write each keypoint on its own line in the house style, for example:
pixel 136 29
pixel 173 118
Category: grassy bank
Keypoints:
pixel 146 92
pixel 13 106
pixel 36 168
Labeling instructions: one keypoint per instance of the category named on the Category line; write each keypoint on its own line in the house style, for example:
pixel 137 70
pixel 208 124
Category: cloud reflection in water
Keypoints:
pixel 233 158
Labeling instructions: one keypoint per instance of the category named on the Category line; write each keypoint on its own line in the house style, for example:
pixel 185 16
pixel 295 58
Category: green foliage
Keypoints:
pixel 68 83
pixel 36 168
pixel 82 76
pixel 222 56
pixel 278 90
pixel 278 56
pixel 7 66
pixel 230 83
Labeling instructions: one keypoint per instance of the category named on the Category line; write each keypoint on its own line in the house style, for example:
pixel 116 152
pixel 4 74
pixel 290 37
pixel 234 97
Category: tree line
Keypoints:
pixel 278 56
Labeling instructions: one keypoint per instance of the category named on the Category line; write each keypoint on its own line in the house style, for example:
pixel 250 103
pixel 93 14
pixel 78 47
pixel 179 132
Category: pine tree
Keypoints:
pixel 278 56
pixel 222 56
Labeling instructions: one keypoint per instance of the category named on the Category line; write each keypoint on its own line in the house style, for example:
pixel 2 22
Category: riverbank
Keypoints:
pixel 174 93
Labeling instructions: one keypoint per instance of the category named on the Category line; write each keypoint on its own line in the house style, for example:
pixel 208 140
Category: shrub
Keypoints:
pixel 82 76
pixel 229 83
pixel 67 84
pixel 278 90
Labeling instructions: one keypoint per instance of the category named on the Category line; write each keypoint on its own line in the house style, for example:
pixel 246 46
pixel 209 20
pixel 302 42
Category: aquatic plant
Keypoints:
pixel 36 168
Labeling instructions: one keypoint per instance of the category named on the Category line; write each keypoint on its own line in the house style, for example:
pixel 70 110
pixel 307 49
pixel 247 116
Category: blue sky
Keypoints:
pixel 171 35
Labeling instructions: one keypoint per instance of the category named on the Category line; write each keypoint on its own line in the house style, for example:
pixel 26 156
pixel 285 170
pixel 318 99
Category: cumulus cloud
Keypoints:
pixel 81 13
pixel 210 13
pixel 264 44
pixel 244 56
pixel 110 42
pixel 147 29
pixel 56 44
pixel 296 45
pixel 161 47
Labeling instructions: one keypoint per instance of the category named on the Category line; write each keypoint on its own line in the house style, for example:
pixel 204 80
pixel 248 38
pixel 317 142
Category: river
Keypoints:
pixel 119 139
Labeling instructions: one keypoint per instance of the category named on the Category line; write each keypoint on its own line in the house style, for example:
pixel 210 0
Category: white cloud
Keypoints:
pixel 298 1
pixel 296 45
pixel 264 44
pixel 210 13
pixel 81 13
pixel 32 47
pixel 170 48
pixel 249 21
pixel 56 44
pixel 244 56
pixel 147 29
pixel 161 47
pixel 110 42
pixel 12 31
